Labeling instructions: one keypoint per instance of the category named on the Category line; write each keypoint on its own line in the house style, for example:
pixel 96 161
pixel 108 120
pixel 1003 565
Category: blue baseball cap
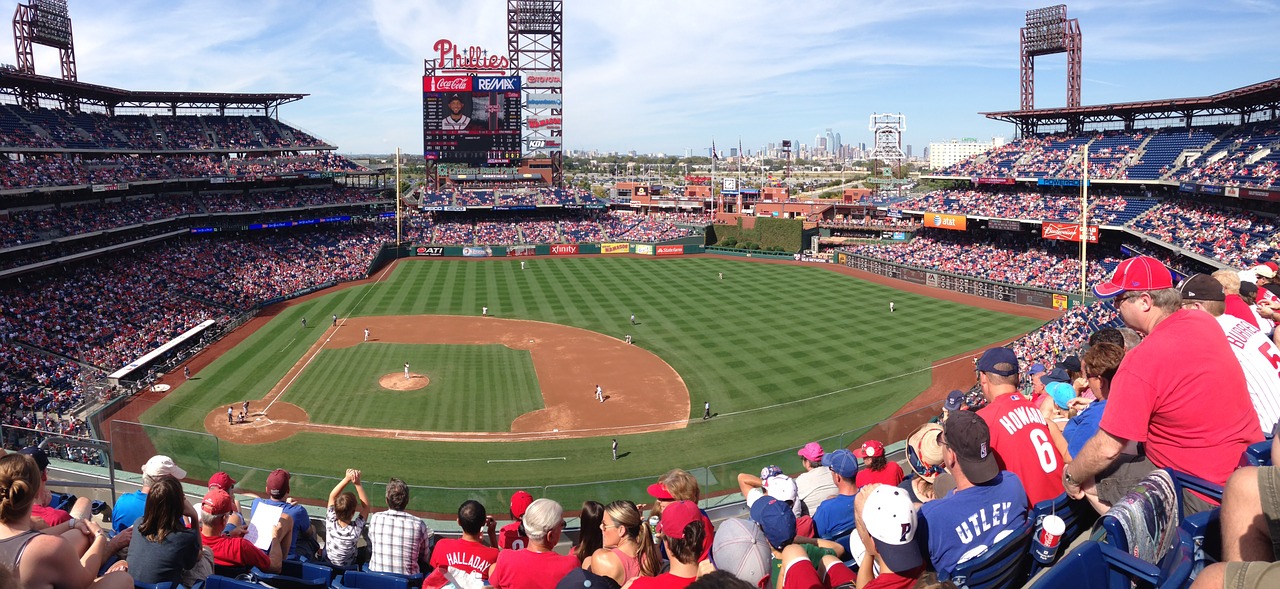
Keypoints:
pixel 1001 361
pixel 955 399
pixel 1035 369
pixel 842 462
pixel 776 519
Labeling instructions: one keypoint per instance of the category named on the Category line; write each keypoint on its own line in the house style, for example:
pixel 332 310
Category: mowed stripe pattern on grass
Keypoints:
pixel 767 334
pixel 473 388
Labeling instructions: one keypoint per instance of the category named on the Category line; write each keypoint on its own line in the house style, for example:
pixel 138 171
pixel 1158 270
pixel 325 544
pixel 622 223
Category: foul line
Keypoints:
pixel 328 339
pixel 526 459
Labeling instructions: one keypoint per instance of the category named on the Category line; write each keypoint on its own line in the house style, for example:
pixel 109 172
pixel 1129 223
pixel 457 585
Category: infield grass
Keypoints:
pixel 785 354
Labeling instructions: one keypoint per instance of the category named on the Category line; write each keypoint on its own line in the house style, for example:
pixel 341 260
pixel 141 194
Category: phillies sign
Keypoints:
pixel 446 83
pixel 1066 232
pixel 474 58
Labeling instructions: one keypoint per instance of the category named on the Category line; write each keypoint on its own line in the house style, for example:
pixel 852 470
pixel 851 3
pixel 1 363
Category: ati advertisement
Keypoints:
pixel 428 251
pixel 1066 232
pixel 472 120
pixel 614 248
pixel 564 249
pixel 941 221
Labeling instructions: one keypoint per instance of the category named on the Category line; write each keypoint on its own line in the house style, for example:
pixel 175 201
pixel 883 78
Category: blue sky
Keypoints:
pixel 665 75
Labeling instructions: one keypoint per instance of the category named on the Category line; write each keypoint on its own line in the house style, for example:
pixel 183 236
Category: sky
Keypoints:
pixel 669 75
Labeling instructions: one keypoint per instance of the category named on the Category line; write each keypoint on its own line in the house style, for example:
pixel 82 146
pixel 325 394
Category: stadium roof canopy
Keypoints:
pixel 32 90
pixel 1240 103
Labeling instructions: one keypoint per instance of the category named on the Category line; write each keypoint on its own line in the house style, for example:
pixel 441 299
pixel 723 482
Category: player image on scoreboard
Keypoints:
pixel 471 119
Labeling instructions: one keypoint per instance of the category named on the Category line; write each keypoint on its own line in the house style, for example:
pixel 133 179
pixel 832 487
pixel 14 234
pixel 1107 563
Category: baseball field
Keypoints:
pixel 783 353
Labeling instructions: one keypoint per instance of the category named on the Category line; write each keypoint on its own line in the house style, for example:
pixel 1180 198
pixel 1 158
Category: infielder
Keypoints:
pixel 628 338
pixel 335 319
pixel 304 322
pixel 615 448
pixel 633 318
pixel 599 394
pixel 406 371
pixel 366 334
pixel 890 306
pixel 706 410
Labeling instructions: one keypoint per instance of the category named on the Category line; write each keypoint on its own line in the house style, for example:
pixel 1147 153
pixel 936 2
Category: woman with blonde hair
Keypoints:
pixel 628 537
pixel 43 561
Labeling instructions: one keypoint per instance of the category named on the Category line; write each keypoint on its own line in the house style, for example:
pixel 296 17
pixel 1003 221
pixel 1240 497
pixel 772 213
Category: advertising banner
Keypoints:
pixel 548 123
pixel 992 180
pixel 564 249
pixel 1259 194
pixel 542 100
pixel 543 80
pixel 1060 302
pixel 477 251
pixel 614 248
pixel 1066 232
pixel 1232 191
pixel 428 251
pixel 644 249
pixel 521 250
pixel 670 250
pixel 941 221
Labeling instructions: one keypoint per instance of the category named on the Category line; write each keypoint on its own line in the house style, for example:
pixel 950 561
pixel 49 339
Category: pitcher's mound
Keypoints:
pixel 397 382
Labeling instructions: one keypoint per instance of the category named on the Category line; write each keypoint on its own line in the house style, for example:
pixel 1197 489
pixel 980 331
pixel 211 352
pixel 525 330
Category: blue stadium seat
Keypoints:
pixel 368 580
pixel 1166 549
pixel 1005 564
pixel 296 574
pixel 1078 515
pixel 221 582
pixel 1258 454
pixel 1094 565
pixel 166 585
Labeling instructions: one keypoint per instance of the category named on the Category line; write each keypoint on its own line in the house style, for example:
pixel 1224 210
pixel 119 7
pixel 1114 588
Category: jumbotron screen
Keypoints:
pixel 471 120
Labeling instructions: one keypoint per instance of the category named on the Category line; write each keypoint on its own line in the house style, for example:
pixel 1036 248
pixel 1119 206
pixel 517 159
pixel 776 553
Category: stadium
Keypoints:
pixel 185 274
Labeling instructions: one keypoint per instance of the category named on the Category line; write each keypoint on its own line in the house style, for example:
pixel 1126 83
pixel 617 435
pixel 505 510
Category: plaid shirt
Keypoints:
pixel 398 541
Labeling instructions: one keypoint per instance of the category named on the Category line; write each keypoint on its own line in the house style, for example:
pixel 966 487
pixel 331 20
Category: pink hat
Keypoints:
pixel 811 452
pixel 659 491
pixel 1140 273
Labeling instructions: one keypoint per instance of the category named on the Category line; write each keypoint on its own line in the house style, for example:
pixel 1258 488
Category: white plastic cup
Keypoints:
pixel 1044 545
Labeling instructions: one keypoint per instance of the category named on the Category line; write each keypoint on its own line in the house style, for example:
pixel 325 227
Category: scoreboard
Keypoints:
pixel 472 120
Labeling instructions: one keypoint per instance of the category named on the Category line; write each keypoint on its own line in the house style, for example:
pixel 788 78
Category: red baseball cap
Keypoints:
pixel 217 502
pixel 676 517
pixel 1138 273
pixel 659 491
pixel 520 502
pixel 870 448
pixel 278 483
pixel 222 480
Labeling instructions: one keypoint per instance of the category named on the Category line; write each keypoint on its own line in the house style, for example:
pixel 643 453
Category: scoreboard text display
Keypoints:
pixel 473 120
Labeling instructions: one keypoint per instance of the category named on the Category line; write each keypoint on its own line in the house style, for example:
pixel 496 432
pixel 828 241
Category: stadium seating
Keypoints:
pixel 1005 564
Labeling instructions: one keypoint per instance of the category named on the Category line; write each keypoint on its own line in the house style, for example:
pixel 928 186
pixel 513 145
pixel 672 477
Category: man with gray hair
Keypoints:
pixel 1181 392
pixel 235 551
pixel 538 566
pixel 399 541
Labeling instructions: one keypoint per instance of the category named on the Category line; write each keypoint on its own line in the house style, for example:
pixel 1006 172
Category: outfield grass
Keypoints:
pixel 473 388
pixel 817 350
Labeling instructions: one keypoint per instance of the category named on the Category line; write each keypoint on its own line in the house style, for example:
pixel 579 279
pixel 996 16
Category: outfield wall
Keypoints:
pixel 676 248
pixel 1000 291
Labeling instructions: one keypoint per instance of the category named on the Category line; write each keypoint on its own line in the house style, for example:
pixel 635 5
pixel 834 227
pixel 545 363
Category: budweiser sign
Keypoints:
pixel 1066 232
pixel 446 84
pixel 474 58
pixel 537 123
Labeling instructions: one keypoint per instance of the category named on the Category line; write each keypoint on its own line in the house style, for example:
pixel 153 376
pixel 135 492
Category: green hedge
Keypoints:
pixel 769 233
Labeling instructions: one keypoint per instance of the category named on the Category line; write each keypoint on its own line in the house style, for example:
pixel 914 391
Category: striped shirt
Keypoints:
pixel 1260 360
pixel 398 541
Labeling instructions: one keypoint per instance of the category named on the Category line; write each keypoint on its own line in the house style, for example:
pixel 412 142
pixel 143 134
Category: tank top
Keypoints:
pixel 630 564
pixel 11 548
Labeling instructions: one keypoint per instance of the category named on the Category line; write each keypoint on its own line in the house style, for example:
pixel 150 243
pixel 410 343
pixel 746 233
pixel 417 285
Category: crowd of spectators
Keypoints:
pixel 568 228
pixel 1016 205
pixel 41 170
pixel 999 257
pixel 505 195
pixel 1235 237
pixel 45 128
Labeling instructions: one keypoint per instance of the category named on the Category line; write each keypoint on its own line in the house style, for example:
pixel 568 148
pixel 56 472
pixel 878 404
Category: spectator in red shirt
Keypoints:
pixel 235 551
pixel 468 554
pixel 875 467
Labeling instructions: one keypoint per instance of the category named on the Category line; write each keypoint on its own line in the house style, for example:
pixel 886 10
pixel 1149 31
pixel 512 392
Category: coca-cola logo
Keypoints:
pixel 449 84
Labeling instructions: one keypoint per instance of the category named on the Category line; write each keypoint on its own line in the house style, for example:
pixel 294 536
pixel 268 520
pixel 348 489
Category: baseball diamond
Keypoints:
pixel 781 348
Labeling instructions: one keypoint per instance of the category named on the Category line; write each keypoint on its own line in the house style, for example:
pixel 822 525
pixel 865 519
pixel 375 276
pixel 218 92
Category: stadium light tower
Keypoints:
pixel 1049 31
pixel 888 130
pixel 44 22
pixel 535 45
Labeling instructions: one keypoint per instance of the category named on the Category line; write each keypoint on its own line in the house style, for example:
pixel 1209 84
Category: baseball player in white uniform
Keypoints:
pixel 890 306
pixel 406 371
pixel 366 334
pixel 522 265
pixel 599 394
pixel 615 448
pixel 484 311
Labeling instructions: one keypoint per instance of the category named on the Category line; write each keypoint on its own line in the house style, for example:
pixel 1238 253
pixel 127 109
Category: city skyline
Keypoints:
pixel 636 79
